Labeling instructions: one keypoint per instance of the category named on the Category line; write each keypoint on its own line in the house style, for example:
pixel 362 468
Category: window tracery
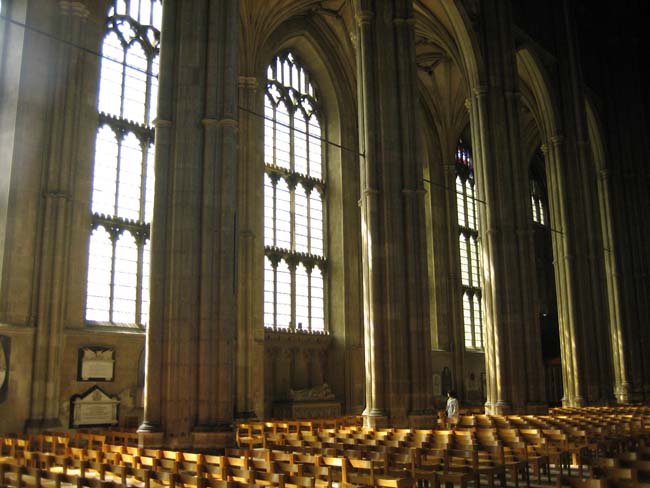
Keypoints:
pixel 123 180
pixel 469 248
pixel 294 200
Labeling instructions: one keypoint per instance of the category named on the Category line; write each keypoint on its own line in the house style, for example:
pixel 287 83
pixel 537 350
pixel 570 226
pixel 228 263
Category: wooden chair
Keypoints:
pixel 294 481
pixel 313 466
pixel 162 479
pixel 628 475
pixel 214 467
pixel 577 482
pixel 265 478
pixel 137 477
pixel 215 483
pixel 191 464
pixel 556 453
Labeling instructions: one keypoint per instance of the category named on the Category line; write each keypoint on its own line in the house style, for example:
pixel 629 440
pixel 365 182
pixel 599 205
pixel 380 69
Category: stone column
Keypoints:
pixel 397 339
pixel 151 428
pixel 621 381
pixel 250 276
pixel 563 267
pixel 192 332
pixel 512 340
pixel 53 274
pixel 582 225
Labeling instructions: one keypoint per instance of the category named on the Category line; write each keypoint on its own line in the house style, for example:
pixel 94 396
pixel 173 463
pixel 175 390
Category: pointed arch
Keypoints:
pixel 537 95
pixel 322 53
pixel 450 71
pixel 616 326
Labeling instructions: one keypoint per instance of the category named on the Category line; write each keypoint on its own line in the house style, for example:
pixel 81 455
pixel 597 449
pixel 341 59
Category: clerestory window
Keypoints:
pixel 538 199
pixel 294 200
pixel 123 179
pixel 469 248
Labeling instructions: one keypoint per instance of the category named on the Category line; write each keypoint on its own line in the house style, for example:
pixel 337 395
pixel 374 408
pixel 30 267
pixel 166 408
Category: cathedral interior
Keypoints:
pixel 219 210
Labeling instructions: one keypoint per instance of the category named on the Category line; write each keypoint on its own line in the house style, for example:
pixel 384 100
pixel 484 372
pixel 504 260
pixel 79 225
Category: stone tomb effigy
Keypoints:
pixel 307 403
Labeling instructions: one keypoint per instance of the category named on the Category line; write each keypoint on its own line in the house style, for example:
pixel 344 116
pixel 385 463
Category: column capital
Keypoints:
pixel 404 20
pixel 480 91
pixel 75 8
pixel 225 122
pixel 162 123
pixel 365 17
pixel 248 83
pixel 411 192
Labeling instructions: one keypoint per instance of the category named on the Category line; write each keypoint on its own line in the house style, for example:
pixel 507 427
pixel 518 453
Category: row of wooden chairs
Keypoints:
pixel 253 433
pixel 192 470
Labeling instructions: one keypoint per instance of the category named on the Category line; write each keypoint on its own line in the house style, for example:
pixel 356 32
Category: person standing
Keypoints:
pixel 452 411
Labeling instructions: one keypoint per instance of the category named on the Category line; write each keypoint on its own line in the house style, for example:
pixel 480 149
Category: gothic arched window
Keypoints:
pixel 294 199
pixel 468 247
pixel 123 180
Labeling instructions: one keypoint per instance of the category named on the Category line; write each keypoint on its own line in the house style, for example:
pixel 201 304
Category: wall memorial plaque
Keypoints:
pixel 5 343
pixel 96 364
pixel 93 408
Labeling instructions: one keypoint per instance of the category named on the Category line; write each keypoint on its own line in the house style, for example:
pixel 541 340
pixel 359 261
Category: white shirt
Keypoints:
pixel 452 407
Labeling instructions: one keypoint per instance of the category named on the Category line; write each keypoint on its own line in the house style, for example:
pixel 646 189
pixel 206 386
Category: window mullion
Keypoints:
pixel 307 144
pixel 465 203
pixel 274 183
pixel 308 194
pixel 292 272
pixel 144 146
pixel 120 140
pixel 309 294
pixel 480 322
pixel 292 216
pixel 123 88
pixel 473 320
pixel 275 295
pixel 147 92
pixel 292 183
pixel 140 240
pixel 111 308
pixel 274 156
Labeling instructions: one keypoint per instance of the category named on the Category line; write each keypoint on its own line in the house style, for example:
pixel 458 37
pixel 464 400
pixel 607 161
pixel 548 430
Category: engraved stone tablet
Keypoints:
pixel 94 408
pixel 96 364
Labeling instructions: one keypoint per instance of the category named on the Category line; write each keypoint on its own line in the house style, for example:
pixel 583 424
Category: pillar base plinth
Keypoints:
pixel 537 408
pixel 151 440
pixel 498 408
pixel 374 417
pixel 422 421
pixel 212 441
pixel 39 425
pixel 147 427
pixel 246 415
